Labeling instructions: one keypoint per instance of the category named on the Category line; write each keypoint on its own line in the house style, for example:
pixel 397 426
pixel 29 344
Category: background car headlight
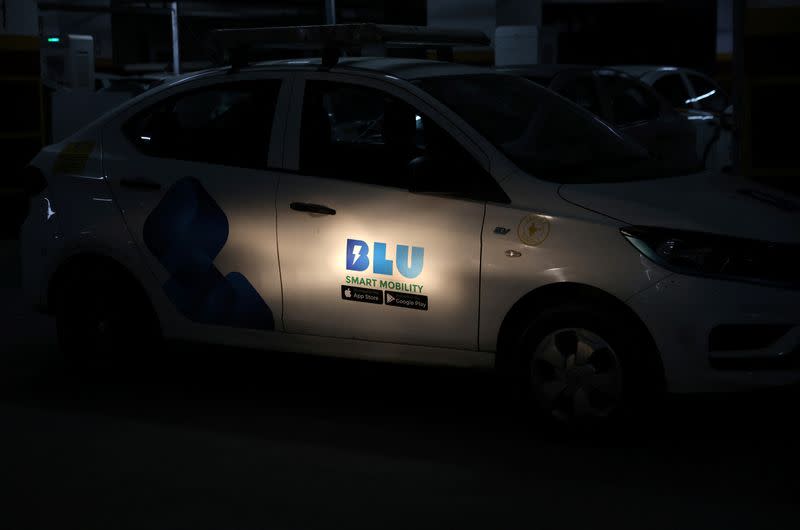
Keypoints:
pixel 727 257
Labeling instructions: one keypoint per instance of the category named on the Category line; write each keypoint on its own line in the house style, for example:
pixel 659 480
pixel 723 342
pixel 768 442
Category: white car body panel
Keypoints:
pixel 75 215
pixel 681 311
pixel 480 258
pixel 703 202
pixel 573 231
pixel 249 205
pixel 448 230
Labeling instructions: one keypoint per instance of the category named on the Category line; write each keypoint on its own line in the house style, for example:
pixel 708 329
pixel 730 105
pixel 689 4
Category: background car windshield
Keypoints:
pixel 542 133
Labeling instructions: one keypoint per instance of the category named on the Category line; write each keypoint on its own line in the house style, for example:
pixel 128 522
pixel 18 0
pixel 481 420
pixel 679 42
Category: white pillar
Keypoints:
pixel 176 52
pixel 21 17
pixel 330 11
pixel 519 32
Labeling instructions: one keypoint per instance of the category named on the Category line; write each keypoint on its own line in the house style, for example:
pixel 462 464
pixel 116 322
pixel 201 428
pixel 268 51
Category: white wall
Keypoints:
pixel 724 26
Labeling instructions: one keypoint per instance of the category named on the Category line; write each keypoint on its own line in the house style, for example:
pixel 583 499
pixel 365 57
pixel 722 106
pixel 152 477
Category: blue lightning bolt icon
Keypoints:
pixel 358 251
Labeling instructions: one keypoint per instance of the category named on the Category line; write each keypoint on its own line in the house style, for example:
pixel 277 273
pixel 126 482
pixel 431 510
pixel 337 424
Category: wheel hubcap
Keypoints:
pixel 576 375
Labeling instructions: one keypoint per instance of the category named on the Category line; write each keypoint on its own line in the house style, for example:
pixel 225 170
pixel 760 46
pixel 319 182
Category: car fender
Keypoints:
pixel 540 240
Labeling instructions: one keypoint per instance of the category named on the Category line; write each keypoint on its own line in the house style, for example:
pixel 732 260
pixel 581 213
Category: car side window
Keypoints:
pixel 630 101
pixel 582 91
pixel 227 124
pixel 708 96
pixel 672 87
pixel 361 134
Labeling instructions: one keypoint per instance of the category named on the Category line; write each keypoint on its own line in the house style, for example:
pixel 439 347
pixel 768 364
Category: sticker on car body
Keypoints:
pixel 185 232
pixel 375 259
pixel 533 230
pixel 73 158
pixel 359 294
pixel 411 301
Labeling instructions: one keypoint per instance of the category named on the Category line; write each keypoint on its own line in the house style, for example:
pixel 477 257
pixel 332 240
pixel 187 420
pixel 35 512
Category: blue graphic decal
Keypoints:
pixel 357 258
pixel 185 232
pixel 417 256
pixel 381 264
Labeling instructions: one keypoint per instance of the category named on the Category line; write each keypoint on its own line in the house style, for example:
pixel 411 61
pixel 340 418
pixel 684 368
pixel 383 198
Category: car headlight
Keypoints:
pixel 720 256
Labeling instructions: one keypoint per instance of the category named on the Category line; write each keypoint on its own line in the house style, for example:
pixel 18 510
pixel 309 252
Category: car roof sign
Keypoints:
pixel 236 46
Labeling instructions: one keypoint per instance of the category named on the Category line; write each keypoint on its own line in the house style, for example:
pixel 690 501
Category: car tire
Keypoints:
pixel 104 318
pixel 586 366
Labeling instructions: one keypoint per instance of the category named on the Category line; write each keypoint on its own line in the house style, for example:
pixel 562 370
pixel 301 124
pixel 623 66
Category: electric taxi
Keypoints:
pixel 412 211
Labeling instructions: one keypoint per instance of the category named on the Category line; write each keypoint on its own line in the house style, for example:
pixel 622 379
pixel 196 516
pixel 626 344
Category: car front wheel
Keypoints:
pixel 585 366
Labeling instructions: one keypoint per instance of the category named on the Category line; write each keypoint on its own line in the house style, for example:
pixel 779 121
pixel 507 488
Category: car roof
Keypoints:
pixel 403 68
pixel 639 70
pixel 548 72
pixel 544 70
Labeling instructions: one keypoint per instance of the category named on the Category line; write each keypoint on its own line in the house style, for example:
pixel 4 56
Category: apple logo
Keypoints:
pixel 347 293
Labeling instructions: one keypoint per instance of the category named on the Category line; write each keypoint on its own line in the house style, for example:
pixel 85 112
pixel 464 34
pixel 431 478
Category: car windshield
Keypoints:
pixel 543 133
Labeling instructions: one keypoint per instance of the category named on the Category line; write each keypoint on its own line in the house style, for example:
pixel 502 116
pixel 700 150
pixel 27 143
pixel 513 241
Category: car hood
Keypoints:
pixel 706 202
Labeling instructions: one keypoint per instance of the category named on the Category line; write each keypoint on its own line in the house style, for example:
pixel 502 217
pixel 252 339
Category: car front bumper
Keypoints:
pixel 756 333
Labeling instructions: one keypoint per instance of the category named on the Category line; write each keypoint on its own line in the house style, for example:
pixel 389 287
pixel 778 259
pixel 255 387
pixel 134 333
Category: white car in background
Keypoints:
pixel 628 104
pixel 703 102
pixel 411 211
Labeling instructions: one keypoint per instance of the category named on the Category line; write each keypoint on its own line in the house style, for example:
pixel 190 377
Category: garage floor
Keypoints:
pixel 217 438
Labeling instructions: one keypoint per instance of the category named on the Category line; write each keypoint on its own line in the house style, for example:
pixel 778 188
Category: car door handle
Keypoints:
pixel 139 183
pixel 312 208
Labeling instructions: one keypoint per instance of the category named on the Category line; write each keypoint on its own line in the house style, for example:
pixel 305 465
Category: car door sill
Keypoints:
pixel 347 348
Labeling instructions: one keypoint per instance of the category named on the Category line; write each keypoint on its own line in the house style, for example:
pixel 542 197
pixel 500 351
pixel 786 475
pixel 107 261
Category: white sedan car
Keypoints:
pixel 702 101
pixel 411 211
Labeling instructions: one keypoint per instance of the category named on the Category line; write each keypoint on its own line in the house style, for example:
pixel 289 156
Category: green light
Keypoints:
pixel 53 39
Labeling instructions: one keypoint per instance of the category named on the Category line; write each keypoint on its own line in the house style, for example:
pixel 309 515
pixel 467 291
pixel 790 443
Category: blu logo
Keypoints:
pixel 358 258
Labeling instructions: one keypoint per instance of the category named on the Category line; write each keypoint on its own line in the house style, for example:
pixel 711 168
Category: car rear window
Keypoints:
pixel 227 124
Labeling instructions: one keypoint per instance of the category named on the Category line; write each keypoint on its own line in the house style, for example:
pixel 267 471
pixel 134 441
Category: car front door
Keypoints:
pixel 191 173
pixel 379 223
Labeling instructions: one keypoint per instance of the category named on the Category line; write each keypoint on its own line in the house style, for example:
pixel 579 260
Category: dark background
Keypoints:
pixel 220 438
pixel 605 33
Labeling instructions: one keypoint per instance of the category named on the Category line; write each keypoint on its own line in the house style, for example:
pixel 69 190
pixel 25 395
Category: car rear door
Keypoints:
pixel 361 255
pixel 190 170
